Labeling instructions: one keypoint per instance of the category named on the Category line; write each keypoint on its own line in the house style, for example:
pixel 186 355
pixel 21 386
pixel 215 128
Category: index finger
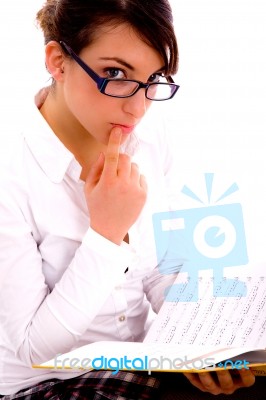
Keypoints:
pixel 112 152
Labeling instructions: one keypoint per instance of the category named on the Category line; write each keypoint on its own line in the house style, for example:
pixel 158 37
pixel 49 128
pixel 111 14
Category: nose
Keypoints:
pixel 137 105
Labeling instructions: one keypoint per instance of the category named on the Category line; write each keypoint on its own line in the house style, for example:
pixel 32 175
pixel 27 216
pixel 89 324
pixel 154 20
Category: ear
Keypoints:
pixel 54 60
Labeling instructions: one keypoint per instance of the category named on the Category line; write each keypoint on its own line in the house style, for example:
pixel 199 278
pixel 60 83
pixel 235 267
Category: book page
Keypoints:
pixel 214 320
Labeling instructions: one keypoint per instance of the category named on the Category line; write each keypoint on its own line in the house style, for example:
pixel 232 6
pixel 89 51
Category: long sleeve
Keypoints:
pixel 39 323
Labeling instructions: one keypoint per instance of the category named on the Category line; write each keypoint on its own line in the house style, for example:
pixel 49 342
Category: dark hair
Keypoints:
pixel 77 22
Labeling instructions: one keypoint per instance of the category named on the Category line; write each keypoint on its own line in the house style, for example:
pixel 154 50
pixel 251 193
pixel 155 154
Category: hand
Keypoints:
pixel 115 192
pixel 223 381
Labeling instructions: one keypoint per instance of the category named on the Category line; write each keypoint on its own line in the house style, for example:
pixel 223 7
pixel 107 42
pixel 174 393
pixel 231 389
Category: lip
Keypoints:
pixel 126 129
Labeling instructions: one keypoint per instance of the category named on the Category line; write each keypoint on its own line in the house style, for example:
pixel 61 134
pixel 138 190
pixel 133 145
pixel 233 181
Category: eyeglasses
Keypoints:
pixel 123 88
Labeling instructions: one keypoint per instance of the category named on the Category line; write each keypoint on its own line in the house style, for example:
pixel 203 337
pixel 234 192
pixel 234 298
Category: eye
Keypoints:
pixel 155 78
pixel 114 73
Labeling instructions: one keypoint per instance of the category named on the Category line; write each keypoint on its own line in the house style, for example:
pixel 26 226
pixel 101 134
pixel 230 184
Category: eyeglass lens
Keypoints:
pixel 126 88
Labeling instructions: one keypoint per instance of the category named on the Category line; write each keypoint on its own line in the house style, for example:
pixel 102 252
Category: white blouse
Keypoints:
pixel 62 285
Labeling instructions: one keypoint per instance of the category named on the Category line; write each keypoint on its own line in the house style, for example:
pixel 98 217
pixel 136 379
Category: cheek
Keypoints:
pixel 83 100
pixel 91 109
pixel 92 113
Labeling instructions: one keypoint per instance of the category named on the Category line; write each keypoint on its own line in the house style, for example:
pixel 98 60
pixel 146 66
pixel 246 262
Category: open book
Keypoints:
pixel 227 322
pixel 224 328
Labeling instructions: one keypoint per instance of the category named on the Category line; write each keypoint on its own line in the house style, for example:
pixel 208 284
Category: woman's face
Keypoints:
pixel 116 53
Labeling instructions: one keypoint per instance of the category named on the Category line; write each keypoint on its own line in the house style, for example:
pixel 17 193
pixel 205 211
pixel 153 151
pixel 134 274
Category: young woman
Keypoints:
pixel 78 260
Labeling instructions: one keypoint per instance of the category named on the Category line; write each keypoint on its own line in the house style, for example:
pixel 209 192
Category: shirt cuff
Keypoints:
pixel 123 255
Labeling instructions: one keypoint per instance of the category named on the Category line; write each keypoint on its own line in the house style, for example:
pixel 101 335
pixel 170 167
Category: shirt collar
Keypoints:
pixel 52 156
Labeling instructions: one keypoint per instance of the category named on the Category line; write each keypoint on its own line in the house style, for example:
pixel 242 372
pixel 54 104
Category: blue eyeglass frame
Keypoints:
pixel 102 82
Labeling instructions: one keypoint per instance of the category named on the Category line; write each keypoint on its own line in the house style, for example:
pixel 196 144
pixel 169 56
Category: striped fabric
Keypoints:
pixel 94 385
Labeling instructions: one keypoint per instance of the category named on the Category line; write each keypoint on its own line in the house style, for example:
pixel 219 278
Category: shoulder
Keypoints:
pixel 13 152
pixel 153 127
pixel 154 135
pixel 12 179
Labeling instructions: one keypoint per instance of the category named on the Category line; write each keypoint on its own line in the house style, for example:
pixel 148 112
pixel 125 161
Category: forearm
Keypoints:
pixel 40 324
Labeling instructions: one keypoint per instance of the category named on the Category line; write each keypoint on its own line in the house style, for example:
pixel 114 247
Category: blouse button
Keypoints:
pixel 122 318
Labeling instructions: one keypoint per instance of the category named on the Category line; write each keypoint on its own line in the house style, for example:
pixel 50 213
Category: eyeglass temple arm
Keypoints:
pixel 89 71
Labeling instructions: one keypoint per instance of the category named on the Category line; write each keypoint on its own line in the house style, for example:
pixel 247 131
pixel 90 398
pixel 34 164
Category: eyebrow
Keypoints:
pixel 118 60
pixel 129 66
